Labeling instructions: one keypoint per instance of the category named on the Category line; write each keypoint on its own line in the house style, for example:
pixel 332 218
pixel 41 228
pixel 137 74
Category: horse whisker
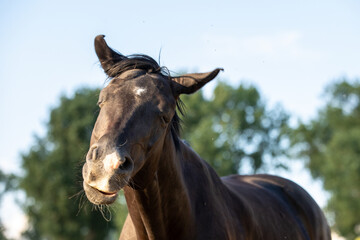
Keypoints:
pixel 81 203
pixel 77 194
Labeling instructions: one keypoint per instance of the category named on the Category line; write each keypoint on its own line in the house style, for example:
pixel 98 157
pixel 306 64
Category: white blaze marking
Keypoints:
pixel 139 91
pixel 111 161
pixel 102 185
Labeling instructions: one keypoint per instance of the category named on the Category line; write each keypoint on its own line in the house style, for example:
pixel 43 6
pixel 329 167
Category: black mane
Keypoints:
pixel 135 61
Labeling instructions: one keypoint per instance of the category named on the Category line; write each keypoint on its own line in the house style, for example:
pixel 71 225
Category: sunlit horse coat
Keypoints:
pixel 171 193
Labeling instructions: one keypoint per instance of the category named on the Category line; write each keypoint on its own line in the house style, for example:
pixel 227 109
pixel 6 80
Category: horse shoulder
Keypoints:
pixel 128 231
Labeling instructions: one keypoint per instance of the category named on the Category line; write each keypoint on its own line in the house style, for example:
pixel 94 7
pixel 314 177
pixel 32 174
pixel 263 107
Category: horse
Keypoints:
pixel 170 191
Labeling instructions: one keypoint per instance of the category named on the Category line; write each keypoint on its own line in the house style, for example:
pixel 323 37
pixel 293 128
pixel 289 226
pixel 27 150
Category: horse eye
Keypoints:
pixel 165 119
pixel 100 103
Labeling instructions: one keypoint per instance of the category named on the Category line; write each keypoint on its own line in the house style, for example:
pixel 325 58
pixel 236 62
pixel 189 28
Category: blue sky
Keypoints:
pixel 289 49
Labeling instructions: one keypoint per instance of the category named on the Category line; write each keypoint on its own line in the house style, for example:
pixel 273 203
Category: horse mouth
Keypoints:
pixel 97 196
pixel 107 193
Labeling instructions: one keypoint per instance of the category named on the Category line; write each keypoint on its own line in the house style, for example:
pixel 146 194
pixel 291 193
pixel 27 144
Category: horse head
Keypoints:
pixel 137 112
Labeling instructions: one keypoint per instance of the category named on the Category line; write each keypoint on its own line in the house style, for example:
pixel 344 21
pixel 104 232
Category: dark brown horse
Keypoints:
pixel 172 193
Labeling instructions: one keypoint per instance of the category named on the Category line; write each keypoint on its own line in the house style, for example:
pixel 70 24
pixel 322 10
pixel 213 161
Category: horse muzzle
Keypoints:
pixel 105 175
pixel 97 196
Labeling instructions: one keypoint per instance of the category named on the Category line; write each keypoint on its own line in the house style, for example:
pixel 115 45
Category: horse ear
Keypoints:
pixel 106 55
pixel 190 83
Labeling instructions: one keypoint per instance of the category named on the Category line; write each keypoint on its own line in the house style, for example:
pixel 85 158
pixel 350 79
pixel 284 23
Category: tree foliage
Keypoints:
pixel 6 184
pixel 233 127
pixel 52 174
pixel 331 145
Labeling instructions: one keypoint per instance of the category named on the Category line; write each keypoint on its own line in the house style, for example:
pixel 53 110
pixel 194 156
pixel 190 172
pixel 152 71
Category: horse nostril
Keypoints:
pixel 92 154
pixel 126 165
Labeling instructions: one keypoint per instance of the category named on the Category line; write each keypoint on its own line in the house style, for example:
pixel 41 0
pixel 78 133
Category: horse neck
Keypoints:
pixel 164 204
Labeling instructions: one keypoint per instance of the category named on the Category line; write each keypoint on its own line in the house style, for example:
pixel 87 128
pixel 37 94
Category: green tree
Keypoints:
pixel 52 174
pixel 6 184
pixel 330 144
pixel 235 126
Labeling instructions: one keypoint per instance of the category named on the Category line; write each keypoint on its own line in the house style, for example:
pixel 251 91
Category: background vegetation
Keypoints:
pixel 232 129
pixel 330 145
